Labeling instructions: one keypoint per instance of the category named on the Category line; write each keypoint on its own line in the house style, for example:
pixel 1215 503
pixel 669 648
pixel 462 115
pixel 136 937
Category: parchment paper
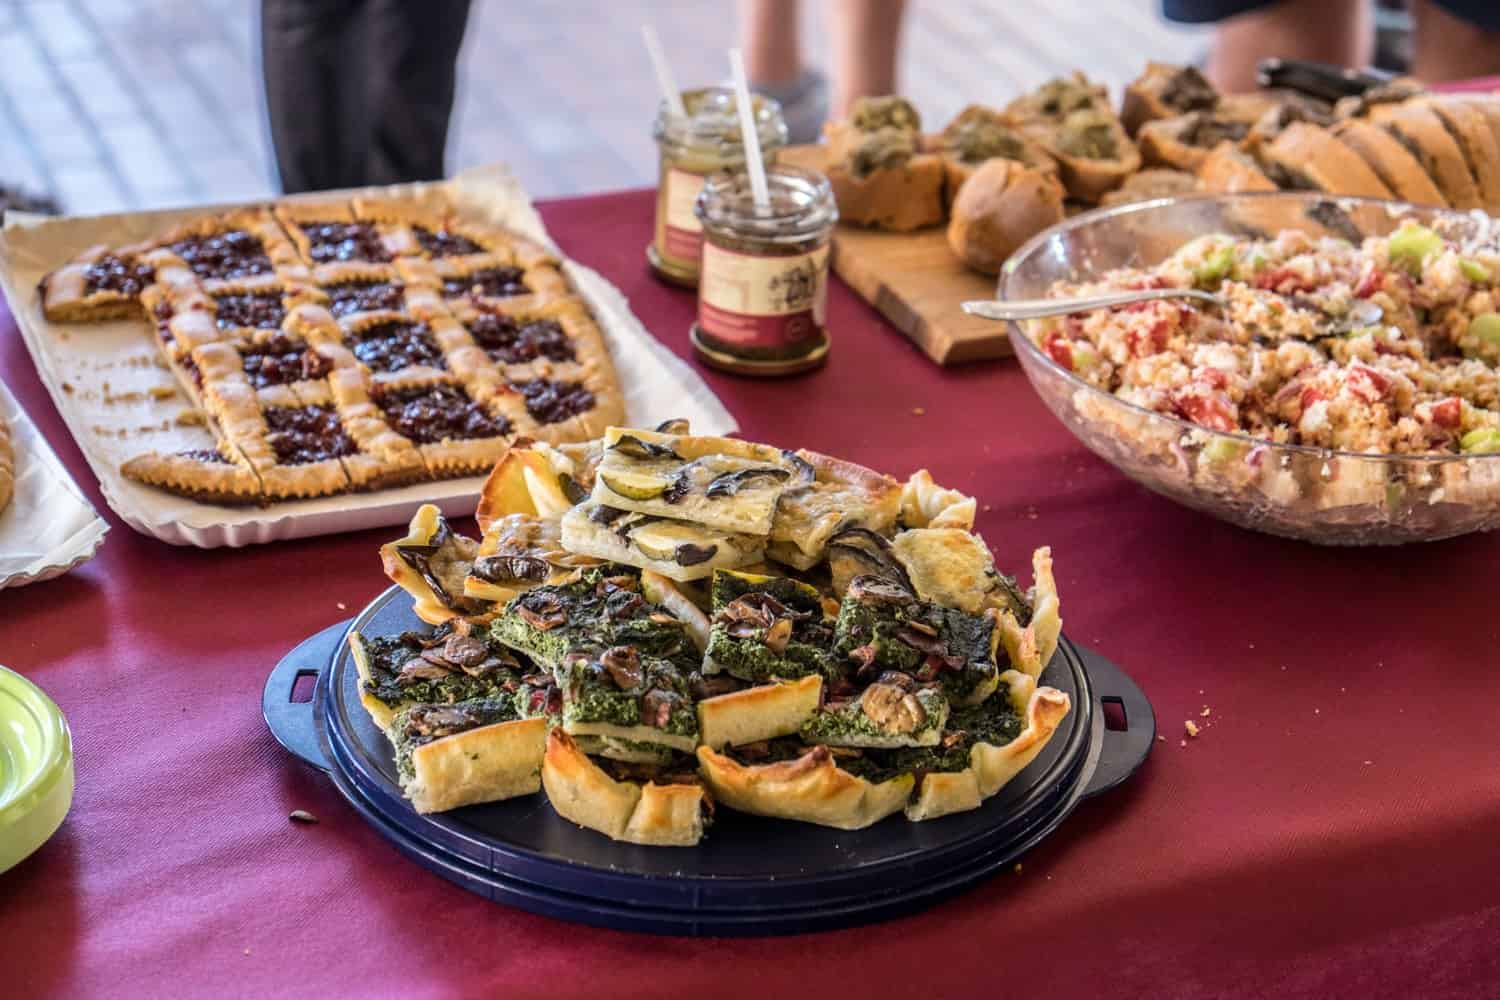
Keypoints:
pixel 48 527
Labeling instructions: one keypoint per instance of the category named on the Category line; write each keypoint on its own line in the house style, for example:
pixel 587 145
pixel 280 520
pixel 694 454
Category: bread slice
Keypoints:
pixel 1471 131
pixel 900 199
pixel 1310 157
pixel 1421 131
pixel 1184 142
pixel 1395 165
pixel 1230 170
pixel 1153 182
pixel 1093 153
pixel 1165 91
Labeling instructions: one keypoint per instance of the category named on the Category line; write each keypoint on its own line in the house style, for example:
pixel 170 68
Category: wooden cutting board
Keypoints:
pixel 914 281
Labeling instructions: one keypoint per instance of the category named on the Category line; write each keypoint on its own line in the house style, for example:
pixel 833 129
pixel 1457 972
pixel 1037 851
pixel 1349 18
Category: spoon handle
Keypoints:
pixel 1020 309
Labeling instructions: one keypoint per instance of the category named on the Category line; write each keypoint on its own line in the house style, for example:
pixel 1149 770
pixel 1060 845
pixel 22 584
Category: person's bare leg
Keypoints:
pixel 1331 31
pixel 771 41
pixel 1449 48
pixel 866 41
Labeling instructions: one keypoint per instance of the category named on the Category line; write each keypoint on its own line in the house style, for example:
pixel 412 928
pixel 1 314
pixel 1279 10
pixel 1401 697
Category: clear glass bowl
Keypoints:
pixel 1322 496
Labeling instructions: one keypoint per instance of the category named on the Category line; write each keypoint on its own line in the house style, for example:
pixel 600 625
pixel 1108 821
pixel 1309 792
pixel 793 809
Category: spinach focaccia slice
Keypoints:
pixel 679 550
pixel 766 628
pixel 432 563
pixel 982 749
pixel 882 627
pixel 658 805
pixel 825 496
pixel 894 711
pixel 637 706
pixel 451 664
pixel 457 755
pixel 603 607
pixel 721 483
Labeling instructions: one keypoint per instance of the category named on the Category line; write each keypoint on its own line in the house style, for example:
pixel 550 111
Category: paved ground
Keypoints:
pixel 120 104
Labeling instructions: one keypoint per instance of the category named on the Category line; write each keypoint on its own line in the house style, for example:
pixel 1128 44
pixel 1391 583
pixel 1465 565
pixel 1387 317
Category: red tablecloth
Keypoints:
pixel 1333 831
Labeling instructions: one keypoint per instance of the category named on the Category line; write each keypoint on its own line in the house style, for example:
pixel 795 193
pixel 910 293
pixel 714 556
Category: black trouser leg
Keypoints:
pixel 413 52
pixel 314 64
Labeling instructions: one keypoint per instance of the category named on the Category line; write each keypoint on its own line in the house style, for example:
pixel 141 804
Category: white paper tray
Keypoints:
pixel 48 527
pixel 118 399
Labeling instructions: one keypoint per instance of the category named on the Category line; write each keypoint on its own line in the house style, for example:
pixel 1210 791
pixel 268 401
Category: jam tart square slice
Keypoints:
pixel 363 294
pixel 568 409
pixel 239 249
pixel 212 475
pixel 329 233
pixel 294 449
pixel 385 458
pixel 244 313
pixel 99 284
pixel 276 358
pixel 529 285
pixel 393 348
pixel 455 434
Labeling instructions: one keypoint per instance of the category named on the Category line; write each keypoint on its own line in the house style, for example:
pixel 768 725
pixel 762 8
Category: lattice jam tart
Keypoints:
pixel 873 665
pixel 337 345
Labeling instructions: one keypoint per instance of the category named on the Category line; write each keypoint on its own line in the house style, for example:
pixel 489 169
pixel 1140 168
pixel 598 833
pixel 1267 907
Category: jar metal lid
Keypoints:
pixel 713 121
pixel 802 204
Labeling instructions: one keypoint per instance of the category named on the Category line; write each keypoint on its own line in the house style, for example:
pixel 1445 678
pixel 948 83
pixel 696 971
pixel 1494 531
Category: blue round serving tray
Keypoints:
pixel 750 874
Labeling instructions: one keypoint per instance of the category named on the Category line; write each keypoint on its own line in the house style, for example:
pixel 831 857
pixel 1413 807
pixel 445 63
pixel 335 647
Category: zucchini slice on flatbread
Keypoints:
pixel 1393 162
pixel 1421 131
pixel 431 564
pixel 720 483
pixel 1310 157
pixel 678 550
pixel 825 496
pixel 518 552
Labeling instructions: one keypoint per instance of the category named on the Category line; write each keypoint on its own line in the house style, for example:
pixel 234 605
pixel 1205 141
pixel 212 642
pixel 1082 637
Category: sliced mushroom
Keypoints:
pixel 878 590
pixel 417 670
pixel 623 664
pixel 657 706
pixel 636 448
pixel 542 611
pixel 730 483
pixel 778 635
pixel 465 651
pixel 861 552
pixel 892 709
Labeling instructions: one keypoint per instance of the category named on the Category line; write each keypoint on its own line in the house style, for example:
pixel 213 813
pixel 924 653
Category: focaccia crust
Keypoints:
pixel 638 813
pixel 487 764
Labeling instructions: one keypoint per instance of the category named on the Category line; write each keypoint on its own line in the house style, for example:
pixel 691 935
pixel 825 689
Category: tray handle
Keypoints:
pixel 1128 721
pixel 293 722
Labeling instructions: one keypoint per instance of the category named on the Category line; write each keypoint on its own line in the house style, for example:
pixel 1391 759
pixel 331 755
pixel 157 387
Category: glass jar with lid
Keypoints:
pixel 703 143
pixel 763 292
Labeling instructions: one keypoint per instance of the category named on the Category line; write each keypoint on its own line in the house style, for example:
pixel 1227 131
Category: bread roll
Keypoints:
pixel 1001 206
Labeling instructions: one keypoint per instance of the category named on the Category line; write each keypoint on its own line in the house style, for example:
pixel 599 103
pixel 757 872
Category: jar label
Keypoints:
pixel 683 234
pixel 760 301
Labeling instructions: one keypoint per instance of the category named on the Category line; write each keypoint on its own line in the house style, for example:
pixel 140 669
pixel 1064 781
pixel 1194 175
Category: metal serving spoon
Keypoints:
pixel 1019 309
pixel 1362 313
